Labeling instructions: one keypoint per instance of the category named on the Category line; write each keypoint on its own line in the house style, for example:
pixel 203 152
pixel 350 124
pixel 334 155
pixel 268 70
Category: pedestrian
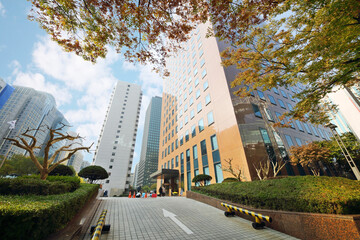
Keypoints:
pixel 163 191
pixel 160 191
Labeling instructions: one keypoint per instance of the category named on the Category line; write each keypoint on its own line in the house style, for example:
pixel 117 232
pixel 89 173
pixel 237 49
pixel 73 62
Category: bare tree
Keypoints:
pixel 235 171
pixel 263 170
pixel 56 135
pixel 277 166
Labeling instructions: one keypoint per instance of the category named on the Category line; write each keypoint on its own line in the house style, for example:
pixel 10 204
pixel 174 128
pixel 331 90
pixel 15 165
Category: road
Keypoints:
pixel 174 218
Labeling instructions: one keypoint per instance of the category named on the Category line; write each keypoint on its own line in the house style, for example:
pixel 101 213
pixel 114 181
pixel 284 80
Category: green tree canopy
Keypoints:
pixel 201 179
pixel 62 170
pixel 19 164
pixel 273 42
pixel 93 173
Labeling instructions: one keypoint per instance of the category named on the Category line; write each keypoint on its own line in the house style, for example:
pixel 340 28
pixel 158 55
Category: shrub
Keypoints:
pixel 36 186
pixel 22 217
pixel 332 195
pixel 230 179
pixel 62 170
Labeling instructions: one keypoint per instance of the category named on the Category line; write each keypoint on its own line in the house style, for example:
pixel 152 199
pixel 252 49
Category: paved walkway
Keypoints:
pixel 144 219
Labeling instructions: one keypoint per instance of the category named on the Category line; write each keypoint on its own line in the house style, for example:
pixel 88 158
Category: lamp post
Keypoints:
pixel 344 150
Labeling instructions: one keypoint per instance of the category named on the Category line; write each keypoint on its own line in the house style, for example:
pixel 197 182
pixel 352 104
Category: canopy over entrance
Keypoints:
pixel 165 173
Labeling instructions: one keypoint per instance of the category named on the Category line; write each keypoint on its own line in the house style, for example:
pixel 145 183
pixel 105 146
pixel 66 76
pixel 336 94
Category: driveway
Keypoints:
pixel 174 218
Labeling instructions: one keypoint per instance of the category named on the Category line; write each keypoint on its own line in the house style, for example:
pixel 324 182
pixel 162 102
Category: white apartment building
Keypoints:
pixel 115 149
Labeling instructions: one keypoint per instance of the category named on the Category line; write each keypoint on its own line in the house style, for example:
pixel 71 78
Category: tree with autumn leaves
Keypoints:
pixel 273 42
pixel 314 154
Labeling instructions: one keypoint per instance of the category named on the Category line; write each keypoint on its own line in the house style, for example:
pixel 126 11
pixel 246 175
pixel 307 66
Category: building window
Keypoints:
pixel 307 128
pixel 192 114
pixel 261 95
pixel 290 106
pixel 196 82
pixel 275 91
pixel 113 154
pixel 202 62
pixel 186 119
pixel 181 140
pixel 176 161
pixel 210 118
pixel 272 99
pixel 195 71
pixel 256 110
pixel 191 101
pixel 281 103
pixel 289 140
pixel 176 144
pixel 187 135
pixel 193 131
pixel 203 74
pixel 197 93
pixel 199 107
pixel 298 141
pixel 110 167
pixel 111 160
pixel 283 93
pixel 278 116
pixel 298 124
pixel 201 125
pixel 205 85
pixel 207 99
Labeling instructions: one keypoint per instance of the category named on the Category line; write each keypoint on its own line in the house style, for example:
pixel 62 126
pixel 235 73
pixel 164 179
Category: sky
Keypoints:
pixel 82 89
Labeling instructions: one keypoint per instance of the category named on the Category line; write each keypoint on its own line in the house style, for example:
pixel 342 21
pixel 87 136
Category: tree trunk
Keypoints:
pixel 43 175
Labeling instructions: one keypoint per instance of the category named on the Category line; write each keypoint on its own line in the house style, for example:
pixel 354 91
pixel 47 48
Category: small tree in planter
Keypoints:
pixel 62 170
pixel 93 173
pixel 201 179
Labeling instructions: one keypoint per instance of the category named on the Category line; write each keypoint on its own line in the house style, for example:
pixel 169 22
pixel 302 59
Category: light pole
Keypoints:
pixel 344 150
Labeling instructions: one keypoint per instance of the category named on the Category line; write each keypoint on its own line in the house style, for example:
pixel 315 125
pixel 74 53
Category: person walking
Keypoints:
pixel 160 191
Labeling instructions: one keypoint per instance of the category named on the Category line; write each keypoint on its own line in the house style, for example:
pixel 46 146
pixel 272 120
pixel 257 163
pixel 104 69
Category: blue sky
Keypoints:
pixel 81 89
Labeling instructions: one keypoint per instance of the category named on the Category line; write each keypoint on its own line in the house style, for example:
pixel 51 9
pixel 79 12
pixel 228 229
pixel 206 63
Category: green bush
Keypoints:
pixel 201 179
pixel 230 179
pixel 35 217
pixel 35 186
pixel 323 194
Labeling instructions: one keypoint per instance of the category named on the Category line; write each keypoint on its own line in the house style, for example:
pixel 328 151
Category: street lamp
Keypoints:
pixel 344 150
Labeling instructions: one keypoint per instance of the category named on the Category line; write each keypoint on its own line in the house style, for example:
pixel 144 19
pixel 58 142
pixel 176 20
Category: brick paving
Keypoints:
pixel 140 218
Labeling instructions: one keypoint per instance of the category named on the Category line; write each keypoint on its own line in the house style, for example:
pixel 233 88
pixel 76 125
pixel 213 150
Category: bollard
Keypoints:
pixel 258 217
pixel 99 226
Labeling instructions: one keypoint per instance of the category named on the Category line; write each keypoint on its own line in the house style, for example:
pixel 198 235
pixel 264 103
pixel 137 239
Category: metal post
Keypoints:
pixel 344 150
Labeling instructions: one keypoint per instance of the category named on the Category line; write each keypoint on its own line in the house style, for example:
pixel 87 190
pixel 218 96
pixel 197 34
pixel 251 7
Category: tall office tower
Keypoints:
pixel 136 171
pixel 31 109
pixel 84 164
pixel 76 161
pixel 150 144
pixel 115 149
pixel 204 124
pixel 5 92
pixel 348 115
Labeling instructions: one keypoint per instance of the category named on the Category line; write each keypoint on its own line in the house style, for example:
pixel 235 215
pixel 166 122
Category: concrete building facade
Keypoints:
pixel 115 148
pixel 150 144
pixel 204 125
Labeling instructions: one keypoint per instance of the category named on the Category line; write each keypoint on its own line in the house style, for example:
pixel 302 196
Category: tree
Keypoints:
pixel 201 179
pixel 20 165
pixel 153 186
pixel 93 173
pixel 62 170
pixel 274 42
pixel 146 188
pixel 28 141
pixel 310 155
pixel 263 170
pixel 233 170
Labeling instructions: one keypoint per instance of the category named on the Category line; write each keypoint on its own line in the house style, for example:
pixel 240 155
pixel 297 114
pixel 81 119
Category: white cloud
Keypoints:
pixel 2 10
pixel 38 82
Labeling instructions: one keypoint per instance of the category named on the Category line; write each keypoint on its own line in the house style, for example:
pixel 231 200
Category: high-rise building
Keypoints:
pixel 76 161
pixel 136 171
pixel 32 110
pixel 115 149
pixel 204 125
pixel 348 114
pixel 5 92
pixel 150 144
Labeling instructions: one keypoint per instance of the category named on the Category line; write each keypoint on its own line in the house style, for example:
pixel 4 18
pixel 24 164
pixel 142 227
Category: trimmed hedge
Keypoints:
pixel 33 185
pixel 73 181
pixel 35 217
pixel 331 195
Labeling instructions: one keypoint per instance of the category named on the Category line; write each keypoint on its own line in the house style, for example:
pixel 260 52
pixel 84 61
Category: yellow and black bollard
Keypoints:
pixel 258 224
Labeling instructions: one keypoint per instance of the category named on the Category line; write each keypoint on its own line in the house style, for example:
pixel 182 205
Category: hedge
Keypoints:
pixel 33 185
pixel 35 217
pixel 331 195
